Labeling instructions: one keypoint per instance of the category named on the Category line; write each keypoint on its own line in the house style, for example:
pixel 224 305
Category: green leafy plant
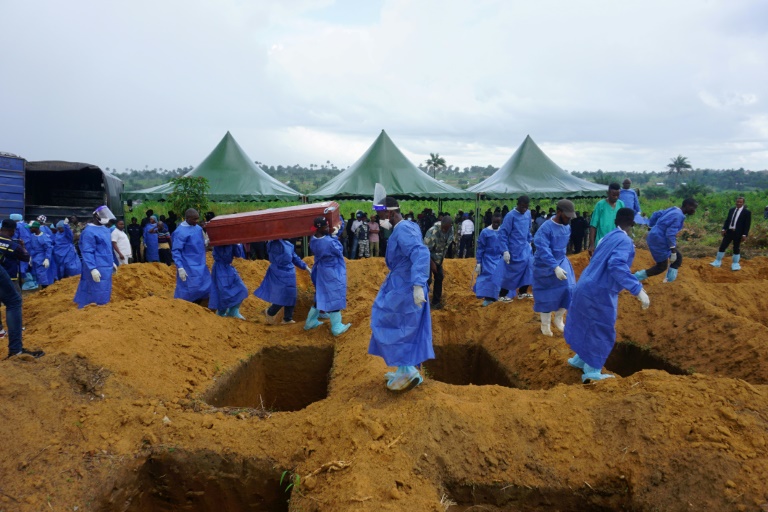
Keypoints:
pixel 189 192
pixel 293 478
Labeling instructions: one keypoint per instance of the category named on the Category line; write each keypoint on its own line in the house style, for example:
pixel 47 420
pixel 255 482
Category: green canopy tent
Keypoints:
pixel 232 176
pixel 384 163
pixel 531 172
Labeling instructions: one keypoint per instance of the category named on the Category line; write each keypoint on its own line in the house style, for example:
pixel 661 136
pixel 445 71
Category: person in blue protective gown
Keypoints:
pixel 591 327
pixel 53 268
pixel 67 262
pixel 95 285
pixel 151 244
pixel 40 247
pixel 662 240
pixel 22 233
pixel 515 234
pixel 489 260
pixel 227 290
pixel 401 326
pixel 329 275
pixel 279 284
pixel 553 276
pixel 193 279
pixel 238 251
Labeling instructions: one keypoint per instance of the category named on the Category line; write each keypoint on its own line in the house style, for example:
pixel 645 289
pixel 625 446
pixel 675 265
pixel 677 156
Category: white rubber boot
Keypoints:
pixel 546 319
pixel 558 320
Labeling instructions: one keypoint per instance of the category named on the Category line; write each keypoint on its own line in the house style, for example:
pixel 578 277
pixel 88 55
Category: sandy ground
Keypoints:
pixel 155 404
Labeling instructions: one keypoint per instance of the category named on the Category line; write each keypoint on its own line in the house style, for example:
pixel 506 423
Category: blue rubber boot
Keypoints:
pixel 591 373
pixel 235 312
pixel 671 275
pixel 404 379
pixel 222 312
pixel 312 320
pixel 576 362
pixel 641 275
pixel 323 315
pixel 718 260
pixel 735 265
pixel 338 328
pixel 487 302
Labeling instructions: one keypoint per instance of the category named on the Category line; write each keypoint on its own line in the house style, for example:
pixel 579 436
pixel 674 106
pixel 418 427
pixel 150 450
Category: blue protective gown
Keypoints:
pixel 550 293
pixel 40 248
pixel 23 233
pixel 665 225
pixel 329 273
pixel 489 256
pixel 151 250
pixel 629 198
pixel 401 331
pixel 96 249
pixel 279 284
pixel 515 234
pixel 54 268
pixel 227 290
pixel 67 262
pixel 591 327
pixel 189 253
pixel 238 251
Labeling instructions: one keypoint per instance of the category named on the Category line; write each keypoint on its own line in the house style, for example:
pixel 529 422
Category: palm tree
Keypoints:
pixel 677 166
pixel 435 161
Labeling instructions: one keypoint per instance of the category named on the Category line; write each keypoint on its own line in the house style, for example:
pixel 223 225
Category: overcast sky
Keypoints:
pixel 598 84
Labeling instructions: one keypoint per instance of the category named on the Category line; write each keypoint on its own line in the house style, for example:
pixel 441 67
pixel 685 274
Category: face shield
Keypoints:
pixel 103 214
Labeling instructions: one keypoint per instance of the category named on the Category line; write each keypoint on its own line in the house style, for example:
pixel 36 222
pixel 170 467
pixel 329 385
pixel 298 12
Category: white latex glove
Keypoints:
pixel 46 263
pixel 478 267
pixel 114 267
pixel 673 257
pixel 507 257
pixel 96 275
pixel 561 274
pixel 335 231
pixel 418 295
pixel 182 274
pixel 644 300
pixel 66 221
pixel 308 269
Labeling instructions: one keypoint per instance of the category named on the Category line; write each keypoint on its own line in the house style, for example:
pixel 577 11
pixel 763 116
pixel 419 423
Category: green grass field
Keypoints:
pixel 700 236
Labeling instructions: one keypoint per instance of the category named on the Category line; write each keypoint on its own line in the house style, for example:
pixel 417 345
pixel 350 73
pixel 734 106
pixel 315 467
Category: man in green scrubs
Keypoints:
pixel 604 216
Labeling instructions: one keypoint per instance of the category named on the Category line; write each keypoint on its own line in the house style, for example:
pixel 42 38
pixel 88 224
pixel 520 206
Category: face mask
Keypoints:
pixel 385 224
pixel 103 222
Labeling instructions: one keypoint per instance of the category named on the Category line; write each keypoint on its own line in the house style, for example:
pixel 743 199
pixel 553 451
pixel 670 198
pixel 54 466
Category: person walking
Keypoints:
pixel 373 236
pixel 329 275
pixel 662 240
pixel 437 240
pixel 227 289
pixel 553 275
pixel 401 326
pixel 591 327
pixel 516 238
pixel 579 226
pixel 279 284
pixel 193 279
pixel 603 217
pixel 489 256
pixel 735 229
pixel 40 247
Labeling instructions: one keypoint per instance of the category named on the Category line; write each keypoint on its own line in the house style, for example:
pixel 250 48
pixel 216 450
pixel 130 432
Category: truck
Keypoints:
pixel 11 184
pixel 59 189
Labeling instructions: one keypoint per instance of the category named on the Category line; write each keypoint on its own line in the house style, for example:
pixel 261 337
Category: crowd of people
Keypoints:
pixel 521 254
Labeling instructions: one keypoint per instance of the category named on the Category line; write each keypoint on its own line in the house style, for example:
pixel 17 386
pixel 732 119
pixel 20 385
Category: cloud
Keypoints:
pixel 601 84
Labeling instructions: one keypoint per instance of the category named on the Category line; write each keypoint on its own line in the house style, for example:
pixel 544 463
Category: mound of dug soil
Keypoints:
pixel 155 404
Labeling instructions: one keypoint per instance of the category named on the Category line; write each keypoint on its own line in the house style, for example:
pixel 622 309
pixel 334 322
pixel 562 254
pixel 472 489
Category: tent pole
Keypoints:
pixel 305 240
pixel 477 220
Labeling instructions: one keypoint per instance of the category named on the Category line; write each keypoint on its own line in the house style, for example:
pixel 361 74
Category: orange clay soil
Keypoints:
pixel 155 404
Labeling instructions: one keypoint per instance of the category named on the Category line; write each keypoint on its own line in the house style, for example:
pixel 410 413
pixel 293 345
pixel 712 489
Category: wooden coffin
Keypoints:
pixel 271 224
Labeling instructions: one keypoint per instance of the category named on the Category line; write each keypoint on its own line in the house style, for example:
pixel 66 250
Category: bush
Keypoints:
pixel 189 192
pixel 655 192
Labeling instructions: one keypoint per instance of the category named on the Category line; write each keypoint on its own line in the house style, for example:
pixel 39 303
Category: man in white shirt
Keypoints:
pixel 121 244
pixel 467 233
